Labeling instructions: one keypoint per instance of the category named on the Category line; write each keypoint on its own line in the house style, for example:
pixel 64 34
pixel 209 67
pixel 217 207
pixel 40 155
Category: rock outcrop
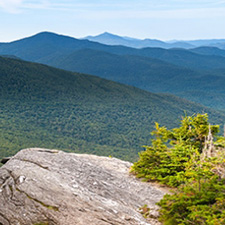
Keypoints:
pixel 41 186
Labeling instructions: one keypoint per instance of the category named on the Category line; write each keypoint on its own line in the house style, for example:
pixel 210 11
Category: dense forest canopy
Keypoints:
pixel 51 108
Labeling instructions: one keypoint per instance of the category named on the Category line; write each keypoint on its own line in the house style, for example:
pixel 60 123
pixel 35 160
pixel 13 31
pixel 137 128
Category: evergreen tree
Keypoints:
pixel 190 158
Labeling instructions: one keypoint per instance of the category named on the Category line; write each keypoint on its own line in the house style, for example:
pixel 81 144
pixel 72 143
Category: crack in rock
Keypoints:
pixel 38 185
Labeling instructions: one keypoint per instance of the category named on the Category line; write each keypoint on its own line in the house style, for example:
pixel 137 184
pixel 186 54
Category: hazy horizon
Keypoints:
pixel 124 36
pixel 159 19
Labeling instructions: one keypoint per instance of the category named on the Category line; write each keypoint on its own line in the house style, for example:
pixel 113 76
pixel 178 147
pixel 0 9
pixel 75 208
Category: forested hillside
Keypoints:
pixel 47 107
pixel 205 87
pixel 46 46
pixel 196 74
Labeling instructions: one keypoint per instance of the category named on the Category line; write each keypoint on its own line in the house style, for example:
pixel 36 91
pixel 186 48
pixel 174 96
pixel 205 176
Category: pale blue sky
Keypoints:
pixel 161 19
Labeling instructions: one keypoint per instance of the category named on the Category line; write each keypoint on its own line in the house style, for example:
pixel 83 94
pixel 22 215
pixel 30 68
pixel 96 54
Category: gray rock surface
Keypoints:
pixel 51 186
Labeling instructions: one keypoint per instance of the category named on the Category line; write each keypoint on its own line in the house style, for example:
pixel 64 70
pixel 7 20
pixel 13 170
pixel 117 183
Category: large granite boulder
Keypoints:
pixel 41 186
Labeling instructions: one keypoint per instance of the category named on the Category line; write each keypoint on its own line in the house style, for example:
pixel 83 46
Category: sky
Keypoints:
pixel 155 19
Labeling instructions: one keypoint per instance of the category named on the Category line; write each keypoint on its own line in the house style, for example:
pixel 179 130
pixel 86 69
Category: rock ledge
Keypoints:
pixel 51 186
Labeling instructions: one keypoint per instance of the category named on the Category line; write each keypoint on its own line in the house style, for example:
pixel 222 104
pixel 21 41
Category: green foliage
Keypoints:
pixel 50 108
pixel 145 211
pixel 201 202
pixel 172 150
pixel 176 159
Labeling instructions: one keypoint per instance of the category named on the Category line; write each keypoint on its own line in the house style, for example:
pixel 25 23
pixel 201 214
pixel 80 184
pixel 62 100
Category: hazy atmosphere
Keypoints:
pixel 160 19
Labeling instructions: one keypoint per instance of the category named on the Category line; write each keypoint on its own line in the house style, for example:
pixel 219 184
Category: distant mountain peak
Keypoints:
pixel 113 39
pixel 46 33
pixel 50 34
pixel 47 36
pixel 107 33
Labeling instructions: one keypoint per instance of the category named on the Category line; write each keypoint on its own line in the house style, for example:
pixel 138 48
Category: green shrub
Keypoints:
pixel 189 159
pixel 173 150
pixel 194 204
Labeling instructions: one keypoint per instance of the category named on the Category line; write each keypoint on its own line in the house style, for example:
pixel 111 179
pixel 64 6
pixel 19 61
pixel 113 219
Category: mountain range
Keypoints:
pixel 196 74
pixel 52 108
pixel 112 39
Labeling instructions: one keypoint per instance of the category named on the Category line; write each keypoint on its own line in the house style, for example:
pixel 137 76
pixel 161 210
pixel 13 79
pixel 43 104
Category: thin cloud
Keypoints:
pixel 136 10
pixel 17 6
pixel 11 6
pixel 44 4
pixel 114 5
pixel 110 8
pixel 149 14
